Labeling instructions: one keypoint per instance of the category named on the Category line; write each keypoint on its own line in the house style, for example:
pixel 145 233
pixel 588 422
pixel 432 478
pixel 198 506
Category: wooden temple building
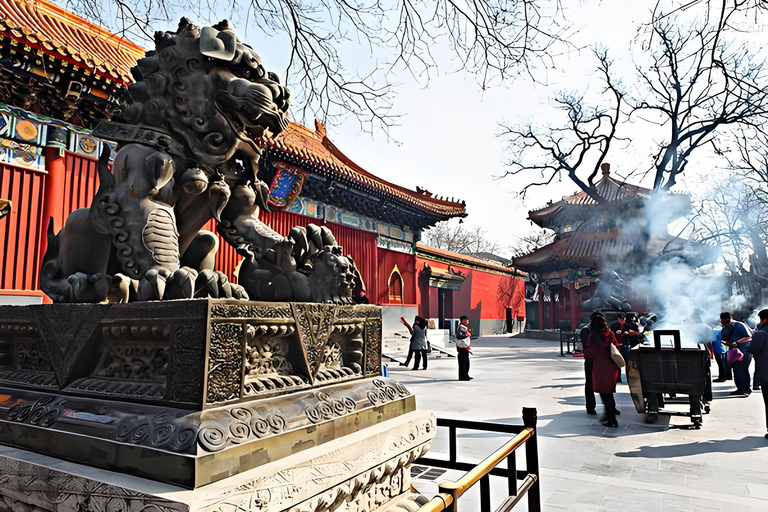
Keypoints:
pixel 595 239
pixel 62 74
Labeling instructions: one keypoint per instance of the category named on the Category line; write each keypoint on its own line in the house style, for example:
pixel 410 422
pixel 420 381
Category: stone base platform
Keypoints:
pixel 364 471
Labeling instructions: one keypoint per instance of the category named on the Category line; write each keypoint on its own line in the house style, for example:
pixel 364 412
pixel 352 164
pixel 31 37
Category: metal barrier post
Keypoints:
pixel 485 494
pixel 532 459
pixel 512 474
pixel 452 443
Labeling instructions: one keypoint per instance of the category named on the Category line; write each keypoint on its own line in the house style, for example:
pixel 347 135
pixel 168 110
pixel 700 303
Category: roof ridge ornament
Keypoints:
pixel 320 129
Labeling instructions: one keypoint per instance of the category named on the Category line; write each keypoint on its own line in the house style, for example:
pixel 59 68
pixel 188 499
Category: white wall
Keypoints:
pixel 20 300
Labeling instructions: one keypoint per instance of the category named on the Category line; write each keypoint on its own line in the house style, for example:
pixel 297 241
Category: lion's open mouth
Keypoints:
pixel 240 168
pixel 251 114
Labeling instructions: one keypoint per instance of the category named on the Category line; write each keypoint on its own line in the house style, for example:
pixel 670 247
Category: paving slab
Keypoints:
pixel 587 467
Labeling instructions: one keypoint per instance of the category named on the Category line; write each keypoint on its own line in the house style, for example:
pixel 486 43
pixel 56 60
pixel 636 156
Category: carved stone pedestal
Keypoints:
pixel 362 472
pixel 272 405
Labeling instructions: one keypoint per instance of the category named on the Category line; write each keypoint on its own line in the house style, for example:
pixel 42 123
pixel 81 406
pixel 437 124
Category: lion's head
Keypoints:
pixel 209 91
pixel 333 276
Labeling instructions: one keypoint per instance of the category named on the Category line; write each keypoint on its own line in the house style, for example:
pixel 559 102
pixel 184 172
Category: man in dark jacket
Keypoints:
pixel 736 335
pixel 759 348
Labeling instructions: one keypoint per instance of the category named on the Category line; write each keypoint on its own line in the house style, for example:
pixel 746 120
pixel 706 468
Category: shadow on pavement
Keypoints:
pixel 720 395
pixel 561 386
pixel 522 354
pixel 746 444
pixel 579 423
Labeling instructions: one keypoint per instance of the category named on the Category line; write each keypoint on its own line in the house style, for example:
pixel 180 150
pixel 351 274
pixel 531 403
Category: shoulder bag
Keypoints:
pixel 617 357
pixel 734 355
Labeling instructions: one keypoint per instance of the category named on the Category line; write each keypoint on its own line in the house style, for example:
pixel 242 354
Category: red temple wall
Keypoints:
pixel 483 295
pixel 20 230
pixel 81 181
pixel 406 266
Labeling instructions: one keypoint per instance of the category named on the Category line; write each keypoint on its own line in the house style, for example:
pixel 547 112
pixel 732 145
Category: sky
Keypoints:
pixel 447 140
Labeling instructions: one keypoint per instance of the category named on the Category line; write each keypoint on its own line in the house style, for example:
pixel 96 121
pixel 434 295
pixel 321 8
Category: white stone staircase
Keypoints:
pixel 395 345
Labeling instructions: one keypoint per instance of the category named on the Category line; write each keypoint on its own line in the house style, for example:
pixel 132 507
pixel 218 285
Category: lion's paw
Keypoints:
pixel 88 288
pixel 181 284
pixel 152 285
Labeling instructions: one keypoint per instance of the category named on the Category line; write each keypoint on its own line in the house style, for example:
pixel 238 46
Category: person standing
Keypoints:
pixel 759 348
pixel 589 363
pixel 463 347
pixel 418 340
pixel 737 335
pixel 605 373
pixel 626 332
pixel 723 367
pixel 410 342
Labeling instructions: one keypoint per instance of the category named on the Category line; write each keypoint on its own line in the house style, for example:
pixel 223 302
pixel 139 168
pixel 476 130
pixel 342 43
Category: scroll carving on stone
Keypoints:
pixel 327 408
pixel 240 425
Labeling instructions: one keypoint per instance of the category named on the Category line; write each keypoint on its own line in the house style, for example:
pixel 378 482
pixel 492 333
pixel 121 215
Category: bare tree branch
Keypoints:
pixel 456 237
pixel 732 215
pixel 699 81
pixel 531 241
pixel 694 81
pixel 579 147
pixel 496 40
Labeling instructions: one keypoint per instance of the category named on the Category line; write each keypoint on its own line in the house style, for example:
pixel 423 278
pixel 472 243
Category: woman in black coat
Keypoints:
pixel 419 344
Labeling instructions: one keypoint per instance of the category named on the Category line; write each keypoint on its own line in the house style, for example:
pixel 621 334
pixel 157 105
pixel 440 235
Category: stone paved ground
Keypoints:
pixel 585 466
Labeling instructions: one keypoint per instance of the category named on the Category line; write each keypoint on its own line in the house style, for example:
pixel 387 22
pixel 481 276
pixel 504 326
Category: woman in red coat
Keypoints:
pixel 605 373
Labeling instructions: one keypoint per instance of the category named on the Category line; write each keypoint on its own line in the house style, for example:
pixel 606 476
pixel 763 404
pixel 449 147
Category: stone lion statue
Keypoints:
pixel 187 153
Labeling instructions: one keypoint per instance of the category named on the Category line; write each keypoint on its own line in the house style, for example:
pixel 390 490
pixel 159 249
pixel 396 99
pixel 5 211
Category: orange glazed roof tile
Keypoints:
pixel 578 248
pixel 315 147
pixel 608 188
pixel 423 249
pixel 45 26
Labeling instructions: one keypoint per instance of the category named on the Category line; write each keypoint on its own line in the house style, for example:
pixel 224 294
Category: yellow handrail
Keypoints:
pixel 450 492
pixel 437 504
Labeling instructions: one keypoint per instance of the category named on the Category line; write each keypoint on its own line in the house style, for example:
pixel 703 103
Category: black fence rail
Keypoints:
pixel 450 492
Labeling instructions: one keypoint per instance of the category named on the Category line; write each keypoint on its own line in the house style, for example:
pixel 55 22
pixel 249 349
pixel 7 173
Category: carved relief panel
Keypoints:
pixel 189 352
pixel 289 347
